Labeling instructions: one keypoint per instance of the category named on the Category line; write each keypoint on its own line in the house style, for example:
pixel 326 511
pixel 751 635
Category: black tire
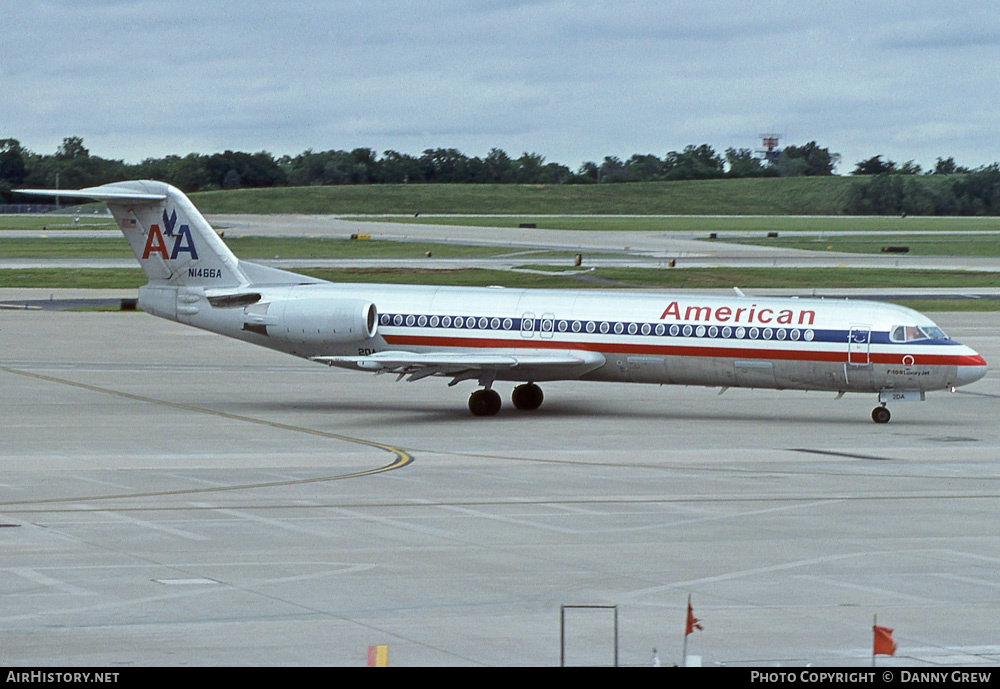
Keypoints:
pixel 881 415
pixel 484 403
pixel 527 397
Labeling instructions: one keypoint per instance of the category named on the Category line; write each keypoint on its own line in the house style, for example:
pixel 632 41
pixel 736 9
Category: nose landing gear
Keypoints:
pixel 880 414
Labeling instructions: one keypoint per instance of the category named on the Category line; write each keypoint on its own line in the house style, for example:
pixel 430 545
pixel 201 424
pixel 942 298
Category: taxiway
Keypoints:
pixel 171 497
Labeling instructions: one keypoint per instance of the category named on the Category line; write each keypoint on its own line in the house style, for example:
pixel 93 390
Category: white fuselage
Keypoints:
pixel 647 337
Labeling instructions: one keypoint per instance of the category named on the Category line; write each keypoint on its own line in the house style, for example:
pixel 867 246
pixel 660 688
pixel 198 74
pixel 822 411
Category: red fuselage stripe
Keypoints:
pixel 700 351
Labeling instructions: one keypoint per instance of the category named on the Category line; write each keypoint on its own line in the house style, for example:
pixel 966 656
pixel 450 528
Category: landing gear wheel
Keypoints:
pixel 881 415
pixel 484 403
pixel 527 397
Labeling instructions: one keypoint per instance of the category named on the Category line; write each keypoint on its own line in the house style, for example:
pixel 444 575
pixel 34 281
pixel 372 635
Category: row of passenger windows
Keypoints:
pixel 548 325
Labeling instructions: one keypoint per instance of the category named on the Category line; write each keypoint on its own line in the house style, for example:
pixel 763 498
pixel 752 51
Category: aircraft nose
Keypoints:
pixel 972 369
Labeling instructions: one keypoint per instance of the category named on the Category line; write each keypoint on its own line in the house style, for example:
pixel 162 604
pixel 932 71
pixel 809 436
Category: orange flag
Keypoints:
pixel 884 645
pixel 692 621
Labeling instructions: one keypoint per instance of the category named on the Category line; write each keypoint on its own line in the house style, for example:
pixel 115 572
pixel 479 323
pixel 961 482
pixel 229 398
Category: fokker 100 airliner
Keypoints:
pixel 528 335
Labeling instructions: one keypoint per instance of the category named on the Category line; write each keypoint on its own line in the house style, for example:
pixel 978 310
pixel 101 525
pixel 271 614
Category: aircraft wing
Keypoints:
pixel 528 364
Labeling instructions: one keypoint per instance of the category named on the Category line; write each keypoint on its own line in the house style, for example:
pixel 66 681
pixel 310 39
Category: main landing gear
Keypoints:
pixel 880 414
pixel 486 402
pixel 527 397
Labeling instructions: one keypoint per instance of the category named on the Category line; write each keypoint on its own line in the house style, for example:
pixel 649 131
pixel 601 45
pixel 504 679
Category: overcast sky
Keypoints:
pixel 571 80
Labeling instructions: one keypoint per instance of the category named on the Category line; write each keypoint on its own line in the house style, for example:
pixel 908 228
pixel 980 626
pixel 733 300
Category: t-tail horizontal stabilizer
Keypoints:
pixel 172 240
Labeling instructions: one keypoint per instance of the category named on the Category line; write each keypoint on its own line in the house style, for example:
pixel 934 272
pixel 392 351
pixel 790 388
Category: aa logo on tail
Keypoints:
pixel 182 241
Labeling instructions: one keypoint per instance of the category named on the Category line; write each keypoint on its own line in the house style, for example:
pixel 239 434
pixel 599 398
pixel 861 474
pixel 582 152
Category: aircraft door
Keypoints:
pixel 527 325
pixel 548 325
pixel 858 345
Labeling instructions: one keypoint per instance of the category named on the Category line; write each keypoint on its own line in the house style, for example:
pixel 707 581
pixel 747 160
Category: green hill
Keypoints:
pixel 764 196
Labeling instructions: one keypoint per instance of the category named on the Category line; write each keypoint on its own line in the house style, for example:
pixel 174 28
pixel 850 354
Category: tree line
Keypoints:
pixel 76 167
pixel 885 187
pixel 882 186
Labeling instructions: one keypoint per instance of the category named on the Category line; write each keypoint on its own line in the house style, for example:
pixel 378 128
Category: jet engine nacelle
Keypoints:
pixel 314 320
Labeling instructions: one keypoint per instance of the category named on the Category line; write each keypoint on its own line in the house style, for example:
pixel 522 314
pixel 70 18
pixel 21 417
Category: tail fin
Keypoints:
pixel 170 238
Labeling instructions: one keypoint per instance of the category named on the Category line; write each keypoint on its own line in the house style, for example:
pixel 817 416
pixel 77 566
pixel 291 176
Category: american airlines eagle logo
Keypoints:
pixel 156 242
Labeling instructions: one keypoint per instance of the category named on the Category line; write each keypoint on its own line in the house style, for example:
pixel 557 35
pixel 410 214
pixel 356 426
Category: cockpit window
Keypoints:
pixel 909 333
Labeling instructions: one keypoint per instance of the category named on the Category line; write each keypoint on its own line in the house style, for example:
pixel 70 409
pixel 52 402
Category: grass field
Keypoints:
pixel 804 279
pixel 56 222
pixel 918 245
pixel 64 247
pixel 714 204
pixel 73 278
pixel 799 278
pixel 768 196
pixel 256 248
pixel 706 224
